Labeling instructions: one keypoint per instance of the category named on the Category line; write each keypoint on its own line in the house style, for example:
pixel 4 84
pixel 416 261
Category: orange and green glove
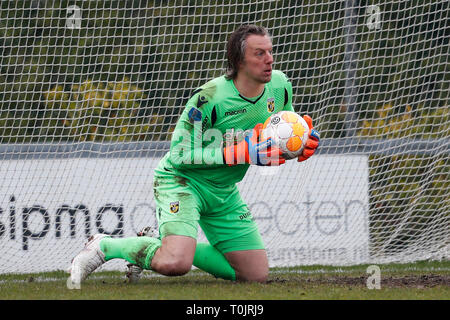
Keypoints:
pixel 252 150
pixel 312 143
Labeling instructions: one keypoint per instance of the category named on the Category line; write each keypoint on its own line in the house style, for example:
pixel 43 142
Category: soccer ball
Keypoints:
pixel 288 130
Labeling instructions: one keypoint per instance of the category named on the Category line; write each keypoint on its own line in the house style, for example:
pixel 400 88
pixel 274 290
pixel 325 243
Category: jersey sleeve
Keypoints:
pixel 195 143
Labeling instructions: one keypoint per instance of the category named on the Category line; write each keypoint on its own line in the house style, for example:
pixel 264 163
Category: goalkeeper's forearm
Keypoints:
pixel 184 157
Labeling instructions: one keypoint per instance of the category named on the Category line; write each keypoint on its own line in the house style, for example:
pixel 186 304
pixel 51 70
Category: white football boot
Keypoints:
pixel 134 272
pixel 89 259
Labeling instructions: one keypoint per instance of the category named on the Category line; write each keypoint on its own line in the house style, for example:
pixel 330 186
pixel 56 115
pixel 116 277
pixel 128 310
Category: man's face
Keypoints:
pixel 258 59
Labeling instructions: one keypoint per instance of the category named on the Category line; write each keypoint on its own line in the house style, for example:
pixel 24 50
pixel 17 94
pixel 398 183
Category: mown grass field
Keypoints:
pixel 414 281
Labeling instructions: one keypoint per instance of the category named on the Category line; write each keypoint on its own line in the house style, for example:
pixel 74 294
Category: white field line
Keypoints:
pixel 148 275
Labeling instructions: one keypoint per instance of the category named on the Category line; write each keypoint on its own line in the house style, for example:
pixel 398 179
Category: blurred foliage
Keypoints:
pixel 169 48
pixel 93 111
pixel 409 202
pixel 410 193
pixel 420 123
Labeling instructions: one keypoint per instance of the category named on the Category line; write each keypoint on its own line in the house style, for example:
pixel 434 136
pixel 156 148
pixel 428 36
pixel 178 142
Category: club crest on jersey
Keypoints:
pixel 270 104
pixel 175 206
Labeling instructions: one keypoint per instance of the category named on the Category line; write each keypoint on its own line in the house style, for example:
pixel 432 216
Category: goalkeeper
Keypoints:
pixel 215 141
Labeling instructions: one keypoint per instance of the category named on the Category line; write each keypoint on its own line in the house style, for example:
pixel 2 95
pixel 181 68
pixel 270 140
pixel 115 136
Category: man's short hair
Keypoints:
pixel 236 47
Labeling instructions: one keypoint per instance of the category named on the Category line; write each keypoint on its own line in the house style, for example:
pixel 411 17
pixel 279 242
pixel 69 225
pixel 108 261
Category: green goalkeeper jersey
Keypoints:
pixel 217 113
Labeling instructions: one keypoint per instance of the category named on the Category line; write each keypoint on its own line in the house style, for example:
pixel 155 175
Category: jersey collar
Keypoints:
pixel 251 100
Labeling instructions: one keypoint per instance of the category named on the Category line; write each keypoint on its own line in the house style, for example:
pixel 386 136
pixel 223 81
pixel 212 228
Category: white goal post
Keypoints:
pixel 90 92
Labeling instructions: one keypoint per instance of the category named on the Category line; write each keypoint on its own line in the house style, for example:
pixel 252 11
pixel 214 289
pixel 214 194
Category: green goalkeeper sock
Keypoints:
pixel 211 260
pixel 140 251
pixel 136 250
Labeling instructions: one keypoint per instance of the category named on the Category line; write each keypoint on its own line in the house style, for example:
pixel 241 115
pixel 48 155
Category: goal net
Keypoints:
pixel 90 92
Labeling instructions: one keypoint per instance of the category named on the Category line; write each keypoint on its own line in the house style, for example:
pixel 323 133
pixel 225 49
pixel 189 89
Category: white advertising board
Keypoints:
pixel 315 212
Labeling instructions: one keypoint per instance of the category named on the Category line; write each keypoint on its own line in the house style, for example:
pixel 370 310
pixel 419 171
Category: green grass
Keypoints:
pixel 414 281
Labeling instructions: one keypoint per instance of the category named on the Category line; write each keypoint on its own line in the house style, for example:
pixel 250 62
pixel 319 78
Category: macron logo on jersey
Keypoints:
pixel 235 112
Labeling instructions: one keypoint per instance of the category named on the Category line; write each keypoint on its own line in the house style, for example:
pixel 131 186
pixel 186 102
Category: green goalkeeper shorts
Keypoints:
pixel 183 204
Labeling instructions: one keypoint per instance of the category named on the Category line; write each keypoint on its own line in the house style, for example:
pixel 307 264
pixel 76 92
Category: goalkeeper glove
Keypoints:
pixel 312 143
pixel 252 150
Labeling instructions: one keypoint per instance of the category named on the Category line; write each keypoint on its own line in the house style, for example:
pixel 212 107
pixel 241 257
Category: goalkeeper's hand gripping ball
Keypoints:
pixel 312 143
pixel 253 150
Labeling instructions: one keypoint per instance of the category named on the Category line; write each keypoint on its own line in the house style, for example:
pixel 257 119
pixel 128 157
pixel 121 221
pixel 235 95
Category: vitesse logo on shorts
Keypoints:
pixel 175 206
pixel 270 104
